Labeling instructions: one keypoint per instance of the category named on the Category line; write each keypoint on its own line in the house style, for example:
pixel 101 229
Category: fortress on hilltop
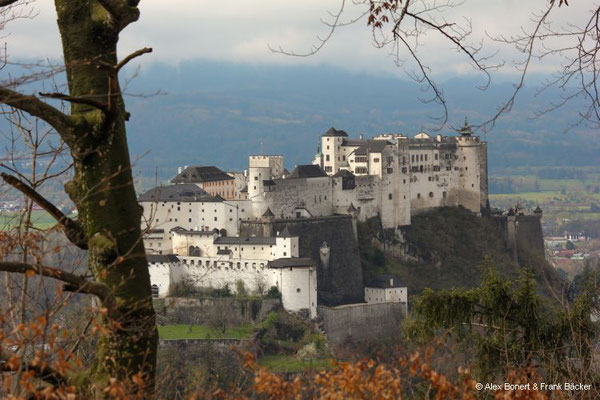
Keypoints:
pixel 297 230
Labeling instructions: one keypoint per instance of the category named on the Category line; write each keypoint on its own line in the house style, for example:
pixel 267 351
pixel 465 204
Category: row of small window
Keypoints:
pixel 444 195
pixel 220 264
pixel 219 183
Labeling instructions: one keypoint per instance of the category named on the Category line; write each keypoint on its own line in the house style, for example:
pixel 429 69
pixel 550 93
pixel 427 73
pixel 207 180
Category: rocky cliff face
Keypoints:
pixel 332 244
pixel 446 248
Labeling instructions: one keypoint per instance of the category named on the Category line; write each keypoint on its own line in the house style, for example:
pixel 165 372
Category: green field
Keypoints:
pixel 40 219
pixel 289 363
pixel 203 332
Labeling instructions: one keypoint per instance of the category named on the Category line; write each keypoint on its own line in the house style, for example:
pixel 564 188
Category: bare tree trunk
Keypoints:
pixel 102 188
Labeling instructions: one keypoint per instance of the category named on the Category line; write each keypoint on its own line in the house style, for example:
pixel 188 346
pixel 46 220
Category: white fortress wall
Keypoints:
pixel 290 194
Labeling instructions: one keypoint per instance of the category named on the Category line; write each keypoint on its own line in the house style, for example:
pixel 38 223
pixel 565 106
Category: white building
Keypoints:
pixel 386 289
pixel 187 205
pixel 207 259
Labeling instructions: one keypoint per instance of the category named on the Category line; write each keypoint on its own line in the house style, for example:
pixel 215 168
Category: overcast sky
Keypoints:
pixel 241 30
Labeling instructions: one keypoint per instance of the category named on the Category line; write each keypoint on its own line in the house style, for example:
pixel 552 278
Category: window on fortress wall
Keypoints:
pixel 389 196
pixel 429 178
pixel 412 158
pixel 327 155
pixel 343 158
pixel 436 156
pixel 390 170
pixel 431 194
pixel 418 195
pixel 425 157
pixel 421 168
pixel 376 160
pixel 403 160
pixel 421 157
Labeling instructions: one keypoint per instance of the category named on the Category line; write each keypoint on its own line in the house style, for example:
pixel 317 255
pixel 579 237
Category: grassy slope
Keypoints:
pixel 450 244
pixel 289 363
pixel 182 331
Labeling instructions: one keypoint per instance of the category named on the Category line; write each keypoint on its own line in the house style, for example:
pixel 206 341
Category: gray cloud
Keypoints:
pixel 240 31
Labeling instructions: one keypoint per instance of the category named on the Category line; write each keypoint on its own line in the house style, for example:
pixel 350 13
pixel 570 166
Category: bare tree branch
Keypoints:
pixel 73 282
pixel 34 106
pixel 43 373
pixel 133 55
pixel 4 3
pixel 77 100
pixel 73 229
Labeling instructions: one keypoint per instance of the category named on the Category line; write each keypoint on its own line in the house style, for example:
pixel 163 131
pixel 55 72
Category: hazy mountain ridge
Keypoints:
pixel 219 113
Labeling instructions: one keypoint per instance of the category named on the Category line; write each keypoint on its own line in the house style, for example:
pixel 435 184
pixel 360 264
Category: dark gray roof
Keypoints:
pixel 182 192
pixel 268 213
pixel 383 282
pixel 291 262
pixel 372 146
pixel 162 258
pixel 334 132
pixel 245 240
pixel 353 142
pixel 344 173
pixel 268 182
pixel 184 231
pixel 285 232
pixel 307 171
pixel 197 174
pixel 466 129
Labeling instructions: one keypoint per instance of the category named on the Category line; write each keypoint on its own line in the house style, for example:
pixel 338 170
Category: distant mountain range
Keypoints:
pixel 219 113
